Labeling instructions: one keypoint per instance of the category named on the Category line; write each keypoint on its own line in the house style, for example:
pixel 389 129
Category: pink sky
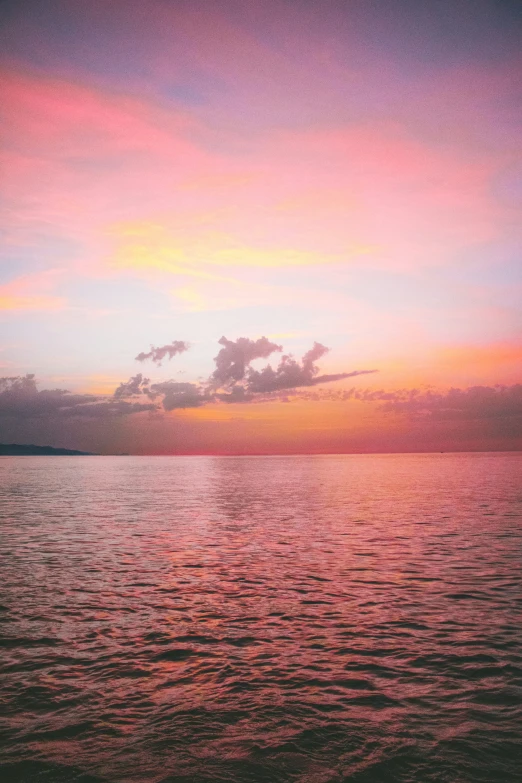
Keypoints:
pixel 181 171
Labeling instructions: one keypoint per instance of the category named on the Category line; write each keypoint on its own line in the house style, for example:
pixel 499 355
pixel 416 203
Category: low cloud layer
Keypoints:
pixel 490 416
pixel 157 355
pixel 476 402
pixel 472 403
pixel 20 398
pixel 179 395
pixel 171 394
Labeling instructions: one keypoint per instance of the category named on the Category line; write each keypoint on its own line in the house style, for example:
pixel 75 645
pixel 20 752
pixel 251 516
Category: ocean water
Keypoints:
pixel 315 619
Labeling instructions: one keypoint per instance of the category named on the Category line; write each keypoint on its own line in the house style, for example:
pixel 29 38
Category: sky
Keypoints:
pixel 194 191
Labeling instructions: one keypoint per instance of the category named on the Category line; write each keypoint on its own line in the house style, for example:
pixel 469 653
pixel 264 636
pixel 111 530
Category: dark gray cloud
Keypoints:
pixel 234 358
pixel 157 355
pixel 21 399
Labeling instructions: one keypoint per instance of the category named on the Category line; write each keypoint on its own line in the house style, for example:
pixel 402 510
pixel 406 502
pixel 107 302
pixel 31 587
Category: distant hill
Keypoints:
pixel 16 450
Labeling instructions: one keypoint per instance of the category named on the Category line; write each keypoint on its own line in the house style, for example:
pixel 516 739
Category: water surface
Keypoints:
pixel 310 619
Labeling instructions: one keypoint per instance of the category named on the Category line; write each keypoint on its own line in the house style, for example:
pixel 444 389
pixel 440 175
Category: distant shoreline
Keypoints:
pixel 17 450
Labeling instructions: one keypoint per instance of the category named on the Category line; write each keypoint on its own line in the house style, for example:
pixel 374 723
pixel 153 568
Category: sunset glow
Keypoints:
pixel 337 175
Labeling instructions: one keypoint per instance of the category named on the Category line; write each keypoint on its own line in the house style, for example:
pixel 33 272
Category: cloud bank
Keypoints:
pixel 235 381
pixel 475 402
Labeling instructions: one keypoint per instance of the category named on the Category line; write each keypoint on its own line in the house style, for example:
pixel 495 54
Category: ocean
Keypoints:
pixel 316 619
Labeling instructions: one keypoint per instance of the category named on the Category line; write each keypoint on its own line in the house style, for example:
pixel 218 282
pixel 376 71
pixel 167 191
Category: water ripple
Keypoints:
pixel 308 619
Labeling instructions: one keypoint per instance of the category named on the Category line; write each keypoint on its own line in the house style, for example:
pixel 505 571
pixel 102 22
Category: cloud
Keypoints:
pixel 495 410
pixel 475 402
pixel 174 394
pixel 21 399
pixel 242 383
pixel 290 374
pixel 133 387
pixel 233 359
pixel 180 395
pixel 340 376
pixel 108 407
pixel 316 352
pixel 236 394
pixel 158 354
pixel 233 381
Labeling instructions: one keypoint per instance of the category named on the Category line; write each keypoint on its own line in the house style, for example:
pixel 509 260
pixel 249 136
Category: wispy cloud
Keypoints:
pixel 32 292
pixel 157 355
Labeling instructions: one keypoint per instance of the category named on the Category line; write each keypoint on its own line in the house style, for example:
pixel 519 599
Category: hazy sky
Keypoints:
pixel 344 172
